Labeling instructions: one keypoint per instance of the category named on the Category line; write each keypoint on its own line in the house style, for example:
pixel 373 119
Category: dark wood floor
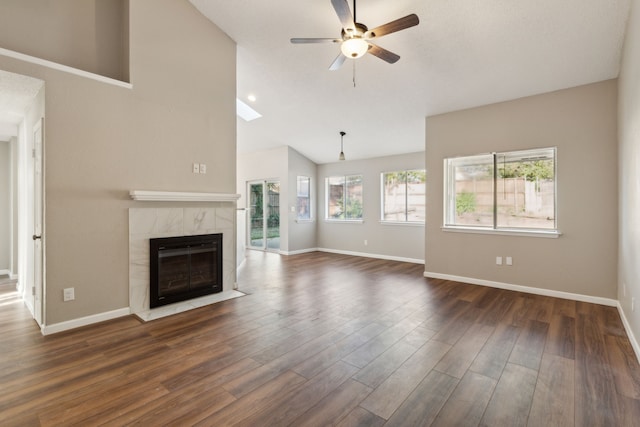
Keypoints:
pixel 326 339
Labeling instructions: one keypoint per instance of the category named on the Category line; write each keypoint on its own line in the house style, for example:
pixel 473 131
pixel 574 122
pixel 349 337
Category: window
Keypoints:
pixel 509 191
pixel 403 196
pixel 344 197
pixel 303 201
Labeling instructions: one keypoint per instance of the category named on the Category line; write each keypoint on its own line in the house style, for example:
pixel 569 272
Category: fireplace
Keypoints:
pixel 183 268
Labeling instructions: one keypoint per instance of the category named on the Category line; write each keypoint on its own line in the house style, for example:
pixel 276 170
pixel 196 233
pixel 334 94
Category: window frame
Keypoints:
pixel 406 199
pixel 327 193
pixel 449 198
pixel 309 198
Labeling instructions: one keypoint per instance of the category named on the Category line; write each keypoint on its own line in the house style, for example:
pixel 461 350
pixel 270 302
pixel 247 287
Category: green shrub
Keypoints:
pixel 465 202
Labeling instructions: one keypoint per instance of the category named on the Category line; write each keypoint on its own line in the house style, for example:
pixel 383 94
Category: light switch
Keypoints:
pixel 203 168
pixel 196 168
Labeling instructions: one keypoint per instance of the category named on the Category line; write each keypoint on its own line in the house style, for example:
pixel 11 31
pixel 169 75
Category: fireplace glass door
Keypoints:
pixel 186 269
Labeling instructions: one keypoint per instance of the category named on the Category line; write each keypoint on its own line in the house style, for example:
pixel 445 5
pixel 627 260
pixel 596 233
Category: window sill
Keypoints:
pixel 304 221
pixel 551 234
pixel 344 221
pixel 403 223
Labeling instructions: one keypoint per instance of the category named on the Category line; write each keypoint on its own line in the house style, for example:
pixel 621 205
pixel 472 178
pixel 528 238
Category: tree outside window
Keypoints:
pixel 344 197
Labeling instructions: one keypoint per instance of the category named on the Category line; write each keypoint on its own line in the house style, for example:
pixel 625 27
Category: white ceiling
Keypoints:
pixel 17 93
pixel 464 53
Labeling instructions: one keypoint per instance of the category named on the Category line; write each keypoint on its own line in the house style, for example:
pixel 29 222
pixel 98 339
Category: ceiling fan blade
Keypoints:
pixel 337 63
pixel 344 14
pixel 383 54
pixel 393 26
pixel 299 40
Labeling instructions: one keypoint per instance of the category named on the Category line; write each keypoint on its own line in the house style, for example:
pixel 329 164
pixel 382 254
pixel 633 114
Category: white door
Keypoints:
pixel 37 290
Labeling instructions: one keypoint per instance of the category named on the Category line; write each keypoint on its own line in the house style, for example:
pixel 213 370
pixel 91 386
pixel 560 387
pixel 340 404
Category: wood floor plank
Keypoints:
pixel 530 345
pixel 467 403
pixel 424 403
pixel 626 371
pixel 596 399
pixel 336 406
pixel 327 357
pixel 511 400
pixel 367 352
pixel 360 417
pixel 561 337
pixel 494 355
pixel 553 400
pixel 389 395
pixel 461 356
pixel 286 409
pixel 384 365
pixel 254 401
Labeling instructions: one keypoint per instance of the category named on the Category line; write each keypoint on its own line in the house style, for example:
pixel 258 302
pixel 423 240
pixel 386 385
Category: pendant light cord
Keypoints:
pixel 354 73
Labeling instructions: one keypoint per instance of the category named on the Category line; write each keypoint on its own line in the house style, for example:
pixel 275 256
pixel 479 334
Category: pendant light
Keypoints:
pixel 342 134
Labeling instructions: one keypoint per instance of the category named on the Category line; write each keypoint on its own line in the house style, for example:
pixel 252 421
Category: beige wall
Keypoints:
pixel 581 123
pixel 101 141
pixel 404 242
pixel 86 34
pixel 629 175
pixel 302 234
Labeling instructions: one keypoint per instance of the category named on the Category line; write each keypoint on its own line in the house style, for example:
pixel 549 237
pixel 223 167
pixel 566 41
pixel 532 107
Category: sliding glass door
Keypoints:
pixel 264 215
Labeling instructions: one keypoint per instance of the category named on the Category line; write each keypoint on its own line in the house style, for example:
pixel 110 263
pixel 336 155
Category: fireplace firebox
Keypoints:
pixel 184 267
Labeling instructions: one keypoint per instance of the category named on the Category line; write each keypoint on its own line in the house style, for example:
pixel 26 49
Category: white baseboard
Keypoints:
pixel 526 289
pixel 299 251
pixel 84 321
pixel 13 276
pixel 627 327
pixel 5 273
pixel 368 255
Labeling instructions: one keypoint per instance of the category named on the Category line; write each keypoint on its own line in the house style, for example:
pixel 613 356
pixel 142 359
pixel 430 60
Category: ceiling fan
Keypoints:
pixel 355 37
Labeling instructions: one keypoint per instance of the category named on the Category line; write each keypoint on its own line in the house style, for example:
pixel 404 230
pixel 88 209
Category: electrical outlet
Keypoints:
pixel 68 294
pixel 498 260
pixel 203 168
pixel 366 242
pixel 196 168
pixel 509 260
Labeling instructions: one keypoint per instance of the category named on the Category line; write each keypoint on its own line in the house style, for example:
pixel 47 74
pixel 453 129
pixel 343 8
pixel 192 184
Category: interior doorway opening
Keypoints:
pixel 22 128
pixel 264 215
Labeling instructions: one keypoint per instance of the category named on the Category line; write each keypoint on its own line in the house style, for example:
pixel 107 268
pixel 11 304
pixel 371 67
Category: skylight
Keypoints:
pixel 245 112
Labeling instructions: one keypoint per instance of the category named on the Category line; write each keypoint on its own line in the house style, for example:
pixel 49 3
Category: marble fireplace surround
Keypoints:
pixel 149 222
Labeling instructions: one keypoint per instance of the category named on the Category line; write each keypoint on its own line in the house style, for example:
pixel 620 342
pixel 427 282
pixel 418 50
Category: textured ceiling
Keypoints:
pixel 464 53
pixel 17 93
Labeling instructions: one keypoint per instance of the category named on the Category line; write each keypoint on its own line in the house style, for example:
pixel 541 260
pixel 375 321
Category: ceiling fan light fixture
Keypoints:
pixel 354 48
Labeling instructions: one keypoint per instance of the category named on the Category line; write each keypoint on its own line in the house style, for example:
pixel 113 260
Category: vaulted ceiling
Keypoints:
pixel 464 53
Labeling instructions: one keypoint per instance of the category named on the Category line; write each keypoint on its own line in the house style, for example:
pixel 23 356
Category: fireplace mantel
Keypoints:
pixel 179 196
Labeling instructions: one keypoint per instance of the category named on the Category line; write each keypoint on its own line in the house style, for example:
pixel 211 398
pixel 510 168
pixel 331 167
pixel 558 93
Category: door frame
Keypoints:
pixel 265 245
pixel 38 222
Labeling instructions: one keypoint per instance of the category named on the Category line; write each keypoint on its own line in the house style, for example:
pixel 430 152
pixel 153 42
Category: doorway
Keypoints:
pixel 264 215
pixel 22 105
